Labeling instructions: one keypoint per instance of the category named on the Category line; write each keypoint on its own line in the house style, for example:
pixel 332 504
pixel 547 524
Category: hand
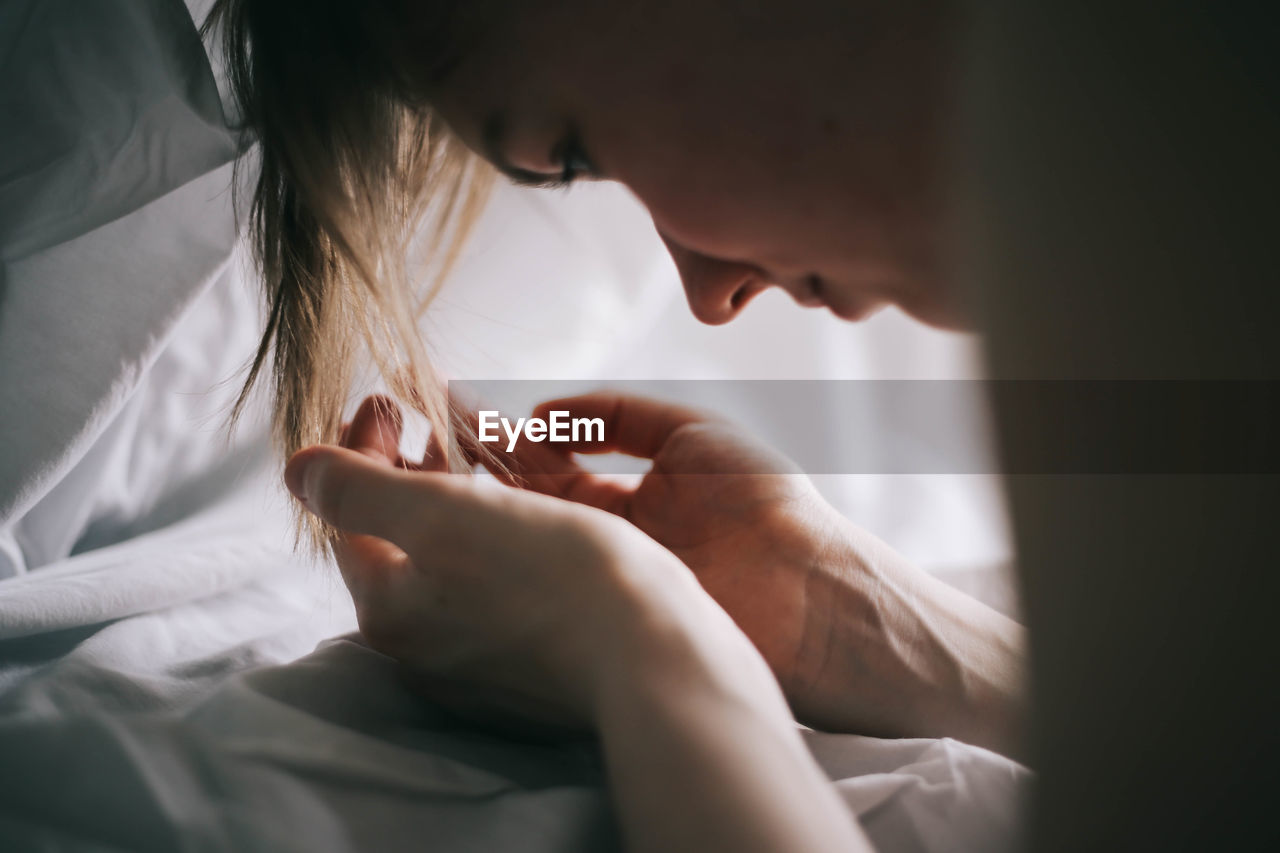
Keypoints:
pixel 533 599
pixel 859 639
pixel 530 600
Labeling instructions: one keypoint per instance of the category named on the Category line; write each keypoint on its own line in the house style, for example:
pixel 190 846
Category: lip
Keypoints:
pixel 813 294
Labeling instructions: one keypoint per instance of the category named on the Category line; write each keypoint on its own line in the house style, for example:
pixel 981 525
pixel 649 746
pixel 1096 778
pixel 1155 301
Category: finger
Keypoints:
pixel 462 439
pixel 582 486
pixel 636 426
pixel 452 449
pixel 542 468
pixel 358 494
pixel 375 430
pixel 435 456
pixel 532 465
pixel 461 449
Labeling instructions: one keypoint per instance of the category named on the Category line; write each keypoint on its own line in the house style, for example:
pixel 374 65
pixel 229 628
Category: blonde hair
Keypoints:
pixel 353 163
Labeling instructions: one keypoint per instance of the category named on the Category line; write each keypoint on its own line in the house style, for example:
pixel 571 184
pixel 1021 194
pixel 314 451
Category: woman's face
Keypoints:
pixel 790 144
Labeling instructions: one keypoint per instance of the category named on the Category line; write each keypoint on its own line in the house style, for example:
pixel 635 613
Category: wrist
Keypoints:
pixel 895 652
pixel 670 642
pixel 981 653
pixel 702 750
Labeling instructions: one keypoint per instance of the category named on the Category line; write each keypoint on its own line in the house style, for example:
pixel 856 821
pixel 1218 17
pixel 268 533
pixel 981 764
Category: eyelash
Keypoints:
pixel 573 160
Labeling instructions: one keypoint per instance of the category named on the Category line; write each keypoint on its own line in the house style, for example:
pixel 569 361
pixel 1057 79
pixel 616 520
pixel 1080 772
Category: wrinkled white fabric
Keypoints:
pixel 203 724
pixel 924 794
pixel 106 106
pixel 114 219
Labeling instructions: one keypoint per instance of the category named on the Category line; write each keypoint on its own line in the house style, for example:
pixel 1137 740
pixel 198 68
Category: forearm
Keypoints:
pixel 703 754
pixel 971 661
pixel 904 654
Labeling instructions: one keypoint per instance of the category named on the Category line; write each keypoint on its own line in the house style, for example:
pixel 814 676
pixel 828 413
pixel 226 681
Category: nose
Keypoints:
pixel 717 290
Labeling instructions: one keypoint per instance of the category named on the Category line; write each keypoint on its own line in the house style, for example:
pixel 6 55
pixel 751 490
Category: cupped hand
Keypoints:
pixel 751 527
pixel 532 601
pixel 859 639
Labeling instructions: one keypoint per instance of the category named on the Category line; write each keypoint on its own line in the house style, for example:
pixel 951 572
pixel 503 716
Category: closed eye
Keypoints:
pixel 573 159
pixel 568 154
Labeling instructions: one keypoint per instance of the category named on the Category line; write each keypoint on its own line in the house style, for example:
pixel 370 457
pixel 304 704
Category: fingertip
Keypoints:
pixel 543 409
pixel 361 495
pixel 383 407
pixel 377 427
pixel 301 470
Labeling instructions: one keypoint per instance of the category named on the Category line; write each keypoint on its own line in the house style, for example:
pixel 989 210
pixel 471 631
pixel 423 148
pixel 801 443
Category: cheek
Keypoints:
pixel 721 224
pixel 697 222
pixel 743 195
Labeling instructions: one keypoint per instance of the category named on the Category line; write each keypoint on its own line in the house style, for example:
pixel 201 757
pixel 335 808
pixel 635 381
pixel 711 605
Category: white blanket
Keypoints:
pixel 162 695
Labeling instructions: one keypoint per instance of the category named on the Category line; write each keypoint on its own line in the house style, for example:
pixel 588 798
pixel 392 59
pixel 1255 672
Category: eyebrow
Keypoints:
pixel 493 138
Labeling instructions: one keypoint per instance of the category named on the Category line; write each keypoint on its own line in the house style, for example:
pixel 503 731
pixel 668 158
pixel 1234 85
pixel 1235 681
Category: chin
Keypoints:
pixel 871 295
pixel 946 317
pixel 930 305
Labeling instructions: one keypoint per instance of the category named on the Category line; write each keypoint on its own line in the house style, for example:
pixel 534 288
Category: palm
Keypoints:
pixel 711 488
pixel 738 514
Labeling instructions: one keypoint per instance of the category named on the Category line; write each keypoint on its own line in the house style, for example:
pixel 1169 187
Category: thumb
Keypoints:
pixel 358 494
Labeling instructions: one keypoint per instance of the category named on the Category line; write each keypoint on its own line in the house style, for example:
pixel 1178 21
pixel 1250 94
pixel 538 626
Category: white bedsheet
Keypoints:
pixel 195 687
pixel 163 694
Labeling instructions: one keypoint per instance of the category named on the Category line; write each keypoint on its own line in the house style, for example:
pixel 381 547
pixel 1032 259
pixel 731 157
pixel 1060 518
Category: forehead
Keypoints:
pixel 625 55
pixel 556 48
pixel 532 59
